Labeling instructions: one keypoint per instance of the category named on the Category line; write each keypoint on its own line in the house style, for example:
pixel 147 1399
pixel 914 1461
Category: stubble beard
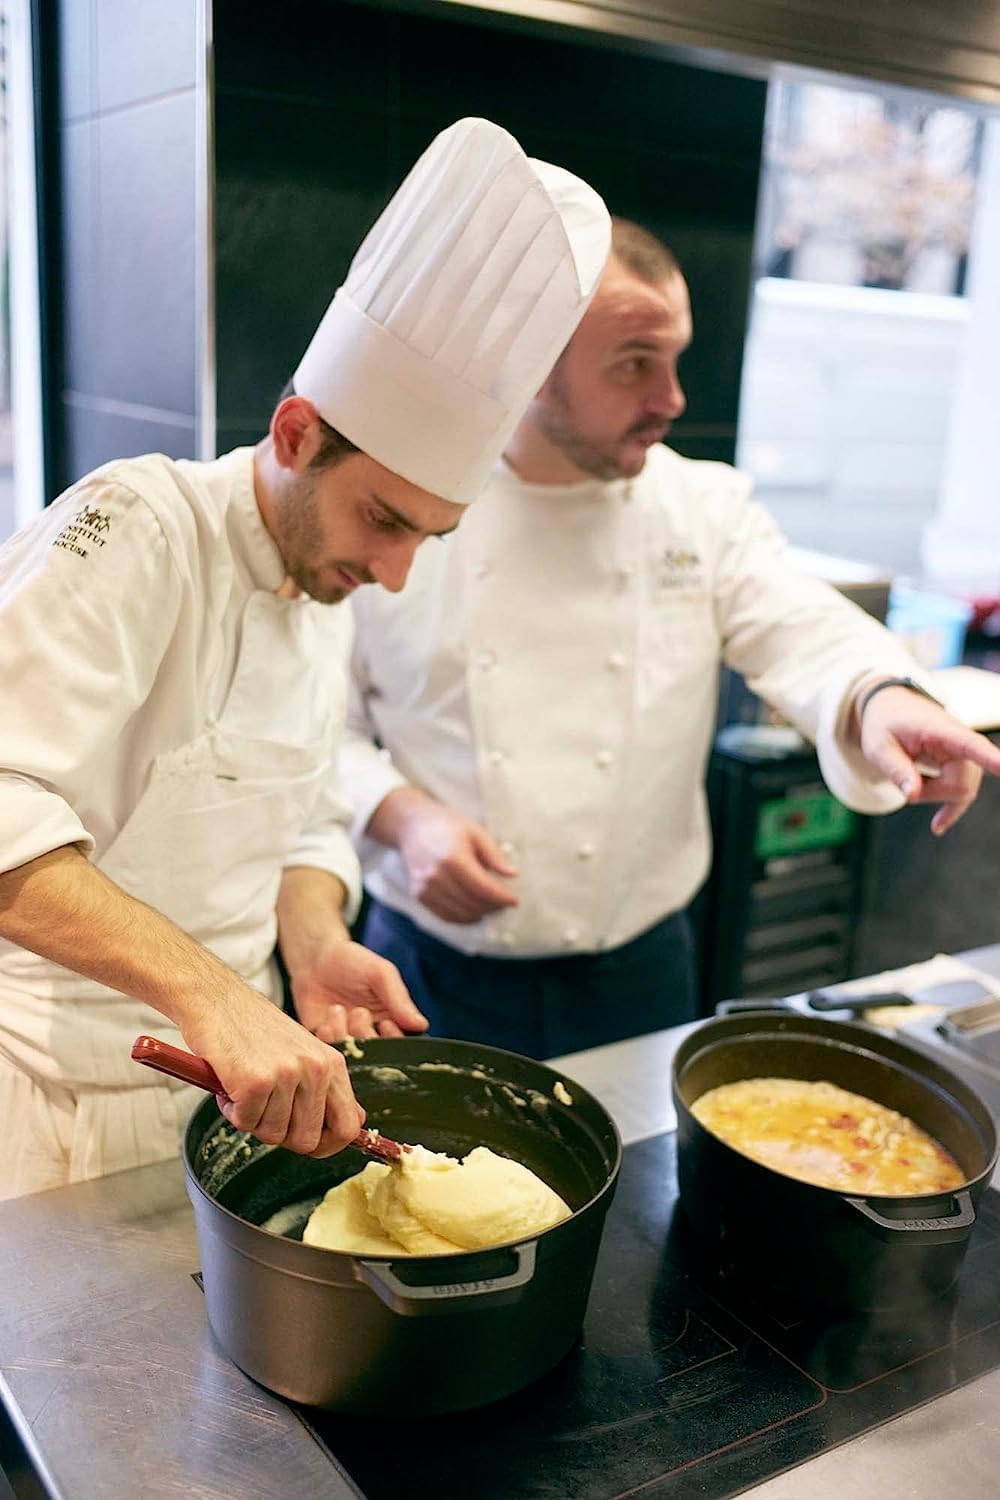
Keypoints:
pixel 301 538
pixel 557 423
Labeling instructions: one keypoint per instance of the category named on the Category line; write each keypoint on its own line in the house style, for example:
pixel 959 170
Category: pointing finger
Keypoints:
pixel 965 744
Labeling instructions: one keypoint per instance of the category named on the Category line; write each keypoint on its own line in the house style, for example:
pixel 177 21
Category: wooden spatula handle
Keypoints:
pixel 192 1069
pixel 178 1063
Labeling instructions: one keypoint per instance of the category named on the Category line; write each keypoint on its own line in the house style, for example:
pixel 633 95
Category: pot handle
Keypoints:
pixel 446 1296
pixel 953 1226
pixel 737 1007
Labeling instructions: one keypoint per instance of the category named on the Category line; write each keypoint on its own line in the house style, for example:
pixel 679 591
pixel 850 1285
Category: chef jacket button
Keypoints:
pixel 616 661
pixel 603 758
pixel 482 569
pixel 497 757
pixel 506 847
pixel 625 574
pixel 508 938
pixel 486 659
pixel 585 851
pixel 571 936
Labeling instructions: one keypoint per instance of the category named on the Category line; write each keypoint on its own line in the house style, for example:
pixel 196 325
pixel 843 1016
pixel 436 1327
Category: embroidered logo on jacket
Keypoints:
pixel 679 568
pixel 85 531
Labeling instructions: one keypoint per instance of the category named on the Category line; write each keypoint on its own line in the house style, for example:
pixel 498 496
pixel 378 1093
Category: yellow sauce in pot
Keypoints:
pixel 819 1133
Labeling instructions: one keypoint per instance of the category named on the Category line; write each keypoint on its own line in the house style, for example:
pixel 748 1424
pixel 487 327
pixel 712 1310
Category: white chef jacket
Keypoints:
pixel 148 661
pixel 551 672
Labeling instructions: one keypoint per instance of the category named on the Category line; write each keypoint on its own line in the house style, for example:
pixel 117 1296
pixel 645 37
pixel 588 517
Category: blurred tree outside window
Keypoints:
pixel 863 189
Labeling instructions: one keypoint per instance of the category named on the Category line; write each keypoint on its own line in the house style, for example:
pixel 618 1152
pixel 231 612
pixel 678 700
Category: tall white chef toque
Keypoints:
pixel 455 308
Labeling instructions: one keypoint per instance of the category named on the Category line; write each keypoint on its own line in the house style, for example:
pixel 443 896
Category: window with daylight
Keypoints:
pixel 865 279
pixel 866 189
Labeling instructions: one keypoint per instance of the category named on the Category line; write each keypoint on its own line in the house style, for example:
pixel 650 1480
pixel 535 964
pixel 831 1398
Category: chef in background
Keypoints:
pixel 532 716
pixel 174 681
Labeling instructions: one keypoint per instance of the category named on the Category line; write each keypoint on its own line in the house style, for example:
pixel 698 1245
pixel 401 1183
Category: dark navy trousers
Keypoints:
pixel 543 1007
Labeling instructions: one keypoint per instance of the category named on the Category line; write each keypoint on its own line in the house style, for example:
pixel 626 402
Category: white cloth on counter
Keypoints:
pixel 177 720
pixel 972 694
pixel 551 671
pixel 914 979
pixel 934 985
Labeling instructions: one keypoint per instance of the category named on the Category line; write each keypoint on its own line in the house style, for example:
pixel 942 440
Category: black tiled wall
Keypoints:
pixel 319 117
pixel 129 344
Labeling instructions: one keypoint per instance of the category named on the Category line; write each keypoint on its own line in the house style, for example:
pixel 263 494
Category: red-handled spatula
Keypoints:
pixel 191 1069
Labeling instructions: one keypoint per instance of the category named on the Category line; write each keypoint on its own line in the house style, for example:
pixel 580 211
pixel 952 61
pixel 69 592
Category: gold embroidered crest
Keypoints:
pixel 679 569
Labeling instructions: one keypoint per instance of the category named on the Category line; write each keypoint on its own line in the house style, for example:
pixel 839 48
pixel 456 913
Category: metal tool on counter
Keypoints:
pixel 970 1020
pixel 191 1069
pixel 945 994
pixel 975 1028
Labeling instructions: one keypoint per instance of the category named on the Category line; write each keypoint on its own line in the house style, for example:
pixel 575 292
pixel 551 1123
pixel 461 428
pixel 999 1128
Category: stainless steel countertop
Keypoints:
pixel 114 1383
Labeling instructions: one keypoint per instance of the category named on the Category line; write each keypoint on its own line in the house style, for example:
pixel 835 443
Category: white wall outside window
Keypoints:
pixel 844 414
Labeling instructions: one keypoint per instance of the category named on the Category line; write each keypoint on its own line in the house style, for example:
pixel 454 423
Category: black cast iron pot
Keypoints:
pixel 815 1246
pixel 418 1334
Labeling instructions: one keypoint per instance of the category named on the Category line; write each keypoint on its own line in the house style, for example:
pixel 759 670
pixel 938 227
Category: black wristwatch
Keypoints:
pixel 887 682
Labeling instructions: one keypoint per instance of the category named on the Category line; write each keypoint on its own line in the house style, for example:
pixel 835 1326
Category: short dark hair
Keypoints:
pixel 333 446
pixel 641 252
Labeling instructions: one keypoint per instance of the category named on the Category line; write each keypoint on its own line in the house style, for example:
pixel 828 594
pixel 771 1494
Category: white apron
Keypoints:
pixel 205 845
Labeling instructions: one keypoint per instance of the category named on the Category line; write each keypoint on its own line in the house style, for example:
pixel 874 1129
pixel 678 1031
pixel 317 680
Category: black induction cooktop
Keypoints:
pixel 682 1384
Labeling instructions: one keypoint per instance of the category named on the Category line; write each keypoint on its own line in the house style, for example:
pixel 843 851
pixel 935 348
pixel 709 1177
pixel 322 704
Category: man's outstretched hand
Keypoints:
pixel 926 752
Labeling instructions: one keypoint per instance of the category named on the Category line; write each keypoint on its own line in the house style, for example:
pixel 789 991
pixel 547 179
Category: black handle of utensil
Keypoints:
pixel 830 1000
pixel 818 1000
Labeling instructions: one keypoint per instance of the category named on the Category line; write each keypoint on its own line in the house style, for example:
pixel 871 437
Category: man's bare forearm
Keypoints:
pixel 63 908
pixel 283 1084
pixel 389 820
pixel 310 910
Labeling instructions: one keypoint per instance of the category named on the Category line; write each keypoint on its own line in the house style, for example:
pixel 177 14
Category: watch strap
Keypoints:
pixel 887 682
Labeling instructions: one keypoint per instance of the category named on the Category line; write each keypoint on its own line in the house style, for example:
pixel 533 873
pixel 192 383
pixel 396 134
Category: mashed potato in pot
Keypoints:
pixel 431 1204
pixel 819 1133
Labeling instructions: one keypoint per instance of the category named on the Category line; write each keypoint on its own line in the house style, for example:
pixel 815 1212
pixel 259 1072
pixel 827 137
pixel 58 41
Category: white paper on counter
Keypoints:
pixel 970 693
pixel 914 978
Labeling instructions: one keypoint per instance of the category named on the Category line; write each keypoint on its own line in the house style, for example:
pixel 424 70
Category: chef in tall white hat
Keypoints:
pixel 174 687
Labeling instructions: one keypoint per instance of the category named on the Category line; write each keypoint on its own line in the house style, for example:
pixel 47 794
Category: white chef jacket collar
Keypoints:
pixel 253 544
pixel 579 490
